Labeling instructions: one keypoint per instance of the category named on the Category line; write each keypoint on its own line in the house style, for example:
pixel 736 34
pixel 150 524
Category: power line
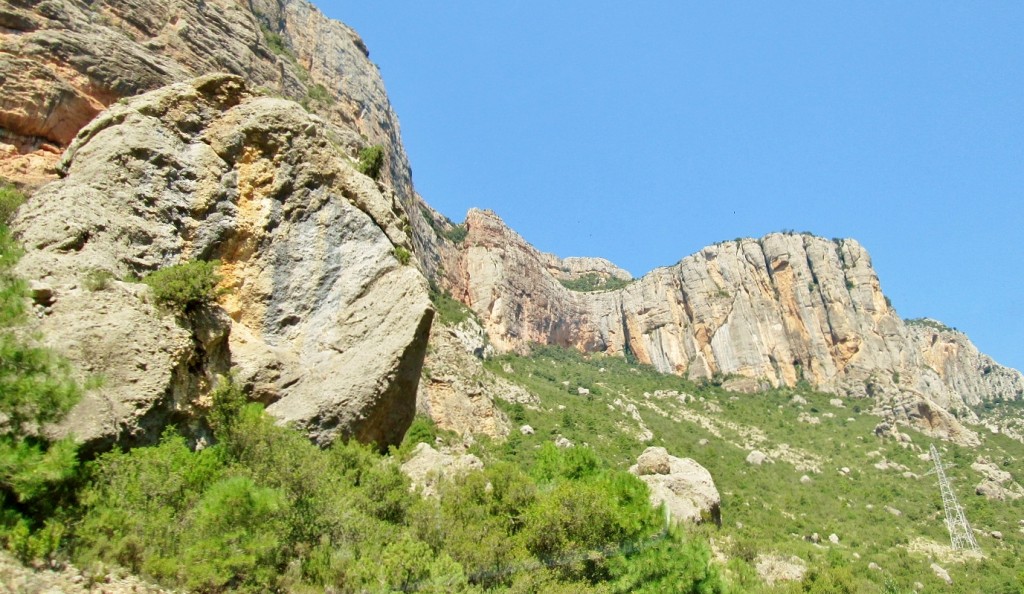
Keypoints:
pixel 961 535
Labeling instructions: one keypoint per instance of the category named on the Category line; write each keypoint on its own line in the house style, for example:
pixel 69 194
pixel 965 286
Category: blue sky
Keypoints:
pixel 643 131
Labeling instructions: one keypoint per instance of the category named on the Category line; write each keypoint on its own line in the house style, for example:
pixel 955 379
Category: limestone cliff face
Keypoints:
pixel 755 312
pixel 321 322
pixel 63 61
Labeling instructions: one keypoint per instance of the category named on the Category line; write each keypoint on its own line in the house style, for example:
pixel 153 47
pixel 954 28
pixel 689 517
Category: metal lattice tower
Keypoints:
pixel 960 534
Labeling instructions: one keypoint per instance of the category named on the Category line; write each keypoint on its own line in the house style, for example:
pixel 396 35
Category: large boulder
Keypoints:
pixel 778 568
pixel 321 321
pixel 996 484
pixel 681 484
pixel 427 467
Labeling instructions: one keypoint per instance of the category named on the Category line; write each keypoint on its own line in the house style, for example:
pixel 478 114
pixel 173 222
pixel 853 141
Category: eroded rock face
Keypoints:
pixel 457 392
pixel 776 310
pixel 321 322
pixel 684 486
pixel 996 484
pixel 62 62
pixel 427 467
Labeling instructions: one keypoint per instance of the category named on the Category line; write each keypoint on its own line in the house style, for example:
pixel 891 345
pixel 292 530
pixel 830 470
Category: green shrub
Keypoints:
pixel 594 282
pixel 673 563
pixel 403 255
pixel 10 199
pixel 97 279
pixel 317 94
pixel 185 287
pixel 422 430
pixel 457 233
pixel 277 44
pixel 450 311
pixel 371 160
pixel 234 535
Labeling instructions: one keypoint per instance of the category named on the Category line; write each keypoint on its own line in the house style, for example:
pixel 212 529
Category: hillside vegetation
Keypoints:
pixel 884 509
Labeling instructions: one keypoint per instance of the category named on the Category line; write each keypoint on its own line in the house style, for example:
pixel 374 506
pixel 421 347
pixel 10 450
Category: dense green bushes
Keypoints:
pixel 371 160
pixel 187 286
pixel 36 388
pixel 264 509
pixel 593 282
pixel 10 200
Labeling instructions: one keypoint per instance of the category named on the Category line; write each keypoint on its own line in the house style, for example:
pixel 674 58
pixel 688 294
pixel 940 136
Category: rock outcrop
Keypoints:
pixel 681 484
pixel 456 392
pixel 427 467
pixel 321 321
pixel 62 62
pixel 996 484
pixel 773 569
pixel 777 310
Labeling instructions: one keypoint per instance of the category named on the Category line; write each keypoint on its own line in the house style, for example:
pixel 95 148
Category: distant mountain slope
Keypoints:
pixel 753 313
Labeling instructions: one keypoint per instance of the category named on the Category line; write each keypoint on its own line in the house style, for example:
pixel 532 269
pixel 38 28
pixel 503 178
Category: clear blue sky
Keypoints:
pixel 643 131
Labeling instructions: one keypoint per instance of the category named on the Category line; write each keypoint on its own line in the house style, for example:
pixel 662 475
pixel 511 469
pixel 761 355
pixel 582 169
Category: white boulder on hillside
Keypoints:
pixel 427 467
pixel 684 486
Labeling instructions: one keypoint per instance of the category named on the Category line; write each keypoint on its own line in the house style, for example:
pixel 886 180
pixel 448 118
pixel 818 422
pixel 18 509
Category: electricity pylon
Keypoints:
pixel 960 534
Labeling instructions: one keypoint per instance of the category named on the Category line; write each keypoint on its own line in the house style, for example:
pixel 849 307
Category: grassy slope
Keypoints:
pixel 766 508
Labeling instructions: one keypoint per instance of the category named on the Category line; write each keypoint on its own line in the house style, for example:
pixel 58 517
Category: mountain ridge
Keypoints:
pixel 754 313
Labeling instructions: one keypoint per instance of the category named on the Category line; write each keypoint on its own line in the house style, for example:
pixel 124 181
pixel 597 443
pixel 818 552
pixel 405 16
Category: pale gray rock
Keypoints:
pixel 757 458
pixel 562 442
pixel 687 490
pixel 457 392
pixel 773 569
pixel 997 484
pixel 16 577
pixel 427 467
pixel 941 573
pixel 654 460
pixel 321 321
pixel 64 61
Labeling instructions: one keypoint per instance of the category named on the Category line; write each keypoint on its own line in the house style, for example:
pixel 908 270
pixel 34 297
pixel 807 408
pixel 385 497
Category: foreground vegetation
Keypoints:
pixel 265 510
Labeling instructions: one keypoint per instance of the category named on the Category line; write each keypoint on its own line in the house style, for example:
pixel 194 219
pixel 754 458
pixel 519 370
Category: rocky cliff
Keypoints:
pixel 754 313
pixel 321 320
pixel 321 323
pixel 64 61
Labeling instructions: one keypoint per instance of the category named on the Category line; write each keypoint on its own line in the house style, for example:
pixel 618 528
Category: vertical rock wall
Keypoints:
pixel 755 313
